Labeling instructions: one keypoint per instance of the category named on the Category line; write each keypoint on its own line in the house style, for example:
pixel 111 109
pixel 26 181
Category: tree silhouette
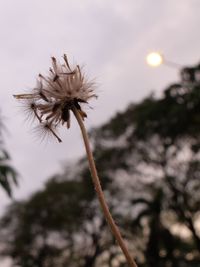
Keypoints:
pixel 8 175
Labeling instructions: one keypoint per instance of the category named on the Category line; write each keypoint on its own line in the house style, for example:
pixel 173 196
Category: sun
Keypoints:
pixel 154 59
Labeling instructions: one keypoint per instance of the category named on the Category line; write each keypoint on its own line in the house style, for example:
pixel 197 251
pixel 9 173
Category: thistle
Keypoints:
pixel 64 91
pixel 56 95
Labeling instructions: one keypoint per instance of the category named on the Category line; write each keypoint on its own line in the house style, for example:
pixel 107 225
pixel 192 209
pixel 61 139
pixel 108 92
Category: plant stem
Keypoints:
pixel 99 191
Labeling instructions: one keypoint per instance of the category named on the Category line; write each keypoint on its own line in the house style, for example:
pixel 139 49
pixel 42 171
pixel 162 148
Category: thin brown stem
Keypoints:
pixel 52 131
pixel 99 191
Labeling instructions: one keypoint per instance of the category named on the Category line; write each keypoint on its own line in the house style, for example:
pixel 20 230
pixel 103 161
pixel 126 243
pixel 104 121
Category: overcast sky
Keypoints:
pixel 111 39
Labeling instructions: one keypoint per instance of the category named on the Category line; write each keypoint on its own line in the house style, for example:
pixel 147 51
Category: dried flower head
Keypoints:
pixel 56 95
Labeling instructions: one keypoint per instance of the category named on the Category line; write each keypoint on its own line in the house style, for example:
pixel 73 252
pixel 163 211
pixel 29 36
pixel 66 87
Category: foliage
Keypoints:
pixel 8 175
pixel 51 228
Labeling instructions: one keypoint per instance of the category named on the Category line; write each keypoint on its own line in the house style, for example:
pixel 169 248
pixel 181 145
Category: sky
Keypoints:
pixel 110 39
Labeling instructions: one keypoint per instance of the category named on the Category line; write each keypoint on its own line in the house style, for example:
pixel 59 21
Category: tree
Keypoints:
pixel 8 175
pixel 57 226
pixel 155 134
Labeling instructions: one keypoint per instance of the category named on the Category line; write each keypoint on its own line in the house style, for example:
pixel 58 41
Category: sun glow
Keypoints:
pixel 154 59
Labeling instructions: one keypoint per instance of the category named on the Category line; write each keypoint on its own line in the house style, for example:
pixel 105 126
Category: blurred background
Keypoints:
pixel 144 127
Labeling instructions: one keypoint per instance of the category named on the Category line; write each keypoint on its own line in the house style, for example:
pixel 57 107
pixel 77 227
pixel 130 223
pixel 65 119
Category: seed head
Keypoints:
pixel 57 94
